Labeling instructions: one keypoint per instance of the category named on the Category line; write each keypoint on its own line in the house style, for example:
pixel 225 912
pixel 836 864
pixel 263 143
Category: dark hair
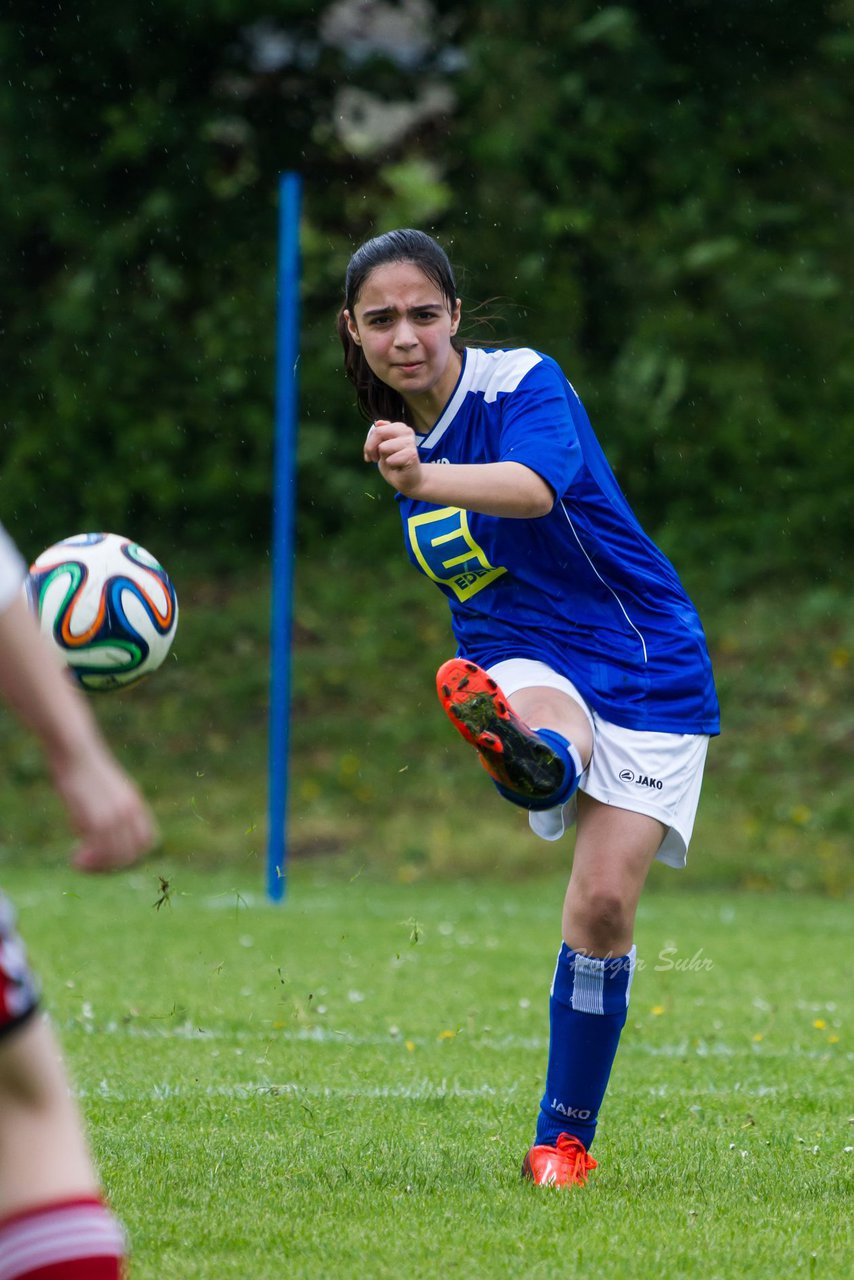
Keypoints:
pixel 375 399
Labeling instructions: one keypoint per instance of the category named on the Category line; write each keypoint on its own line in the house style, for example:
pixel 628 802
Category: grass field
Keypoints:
pixel 346 1085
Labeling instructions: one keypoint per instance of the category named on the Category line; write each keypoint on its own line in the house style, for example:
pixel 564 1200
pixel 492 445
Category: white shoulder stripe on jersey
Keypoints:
pixel 504 370
pixel 493 373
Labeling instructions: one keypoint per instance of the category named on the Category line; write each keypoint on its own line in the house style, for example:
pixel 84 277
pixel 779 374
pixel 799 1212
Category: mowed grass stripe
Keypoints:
pixel 492 1044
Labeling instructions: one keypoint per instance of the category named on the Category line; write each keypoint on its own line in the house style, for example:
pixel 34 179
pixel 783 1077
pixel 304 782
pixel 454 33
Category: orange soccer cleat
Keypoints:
pixel 563 1165
pixel 515 756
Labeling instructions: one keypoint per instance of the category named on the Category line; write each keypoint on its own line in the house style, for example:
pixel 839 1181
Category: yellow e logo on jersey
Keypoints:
pixel 442 544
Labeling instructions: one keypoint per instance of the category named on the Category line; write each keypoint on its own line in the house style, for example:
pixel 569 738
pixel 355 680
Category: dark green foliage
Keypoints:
pixel 656 194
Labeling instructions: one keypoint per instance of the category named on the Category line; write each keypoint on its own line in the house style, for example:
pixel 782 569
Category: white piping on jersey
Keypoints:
pixel 604 583
pixel 492 372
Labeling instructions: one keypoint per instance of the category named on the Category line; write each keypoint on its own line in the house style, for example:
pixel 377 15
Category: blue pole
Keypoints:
pixel 284 493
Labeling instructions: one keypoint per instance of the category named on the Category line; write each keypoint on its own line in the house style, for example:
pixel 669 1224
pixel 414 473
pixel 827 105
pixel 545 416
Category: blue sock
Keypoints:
pixel 567 753
pixel 587 1012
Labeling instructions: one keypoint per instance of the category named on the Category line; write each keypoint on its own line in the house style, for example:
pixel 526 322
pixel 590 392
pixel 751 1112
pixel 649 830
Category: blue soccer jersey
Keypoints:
pixel 583 588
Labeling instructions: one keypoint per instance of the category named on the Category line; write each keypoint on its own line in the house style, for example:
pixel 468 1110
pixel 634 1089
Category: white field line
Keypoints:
pixel 498 1044
pixel 423 1091
pixel 420 1091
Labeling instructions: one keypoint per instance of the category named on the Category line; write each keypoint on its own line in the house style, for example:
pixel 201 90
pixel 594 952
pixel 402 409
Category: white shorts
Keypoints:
pixel 18 991
pixel 658 774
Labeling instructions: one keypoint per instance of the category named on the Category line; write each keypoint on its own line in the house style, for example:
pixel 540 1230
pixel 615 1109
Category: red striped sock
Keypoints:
pixel 68 1240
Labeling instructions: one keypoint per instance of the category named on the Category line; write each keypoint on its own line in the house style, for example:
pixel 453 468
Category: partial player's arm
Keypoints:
pixel 491 488
pixel 104 807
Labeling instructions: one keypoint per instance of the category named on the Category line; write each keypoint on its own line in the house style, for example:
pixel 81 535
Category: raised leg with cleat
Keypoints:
pixel 514 755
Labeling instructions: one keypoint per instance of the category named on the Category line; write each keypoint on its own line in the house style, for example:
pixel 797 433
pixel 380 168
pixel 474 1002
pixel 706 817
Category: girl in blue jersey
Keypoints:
pixel 582 677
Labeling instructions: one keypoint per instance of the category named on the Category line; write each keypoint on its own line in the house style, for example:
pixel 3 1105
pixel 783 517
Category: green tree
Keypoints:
pixel 655 194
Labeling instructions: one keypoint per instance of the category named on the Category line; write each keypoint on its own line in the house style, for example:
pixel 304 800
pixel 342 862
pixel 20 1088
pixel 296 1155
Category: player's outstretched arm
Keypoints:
pixel 105 808
pixel 493 488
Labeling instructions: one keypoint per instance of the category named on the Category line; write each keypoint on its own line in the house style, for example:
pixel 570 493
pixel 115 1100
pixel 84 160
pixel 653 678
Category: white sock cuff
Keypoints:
pixel 65 1232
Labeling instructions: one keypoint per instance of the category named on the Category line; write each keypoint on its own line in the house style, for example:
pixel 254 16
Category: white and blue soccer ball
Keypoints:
pixel 107 605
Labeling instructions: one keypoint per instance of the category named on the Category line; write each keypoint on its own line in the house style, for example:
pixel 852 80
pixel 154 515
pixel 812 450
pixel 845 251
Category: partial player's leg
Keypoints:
pixel 43 1154
pixel 552 709
pixel 52 1221
pixel 590 990
pixel 614 850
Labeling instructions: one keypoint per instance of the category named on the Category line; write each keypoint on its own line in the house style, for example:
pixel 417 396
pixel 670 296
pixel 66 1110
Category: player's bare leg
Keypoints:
pixel 592 980
pixel 43 1152
pixel 547 708
pixel 614 850
pixel 52 1219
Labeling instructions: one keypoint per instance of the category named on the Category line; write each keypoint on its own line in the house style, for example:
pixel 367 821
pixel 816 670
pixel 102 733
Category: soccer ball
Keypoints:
pixel 107 605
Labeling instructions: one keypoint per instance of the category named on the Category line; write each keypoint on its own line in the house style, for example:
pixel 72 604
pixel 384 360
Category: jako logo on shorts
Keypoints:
pixel 641 780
